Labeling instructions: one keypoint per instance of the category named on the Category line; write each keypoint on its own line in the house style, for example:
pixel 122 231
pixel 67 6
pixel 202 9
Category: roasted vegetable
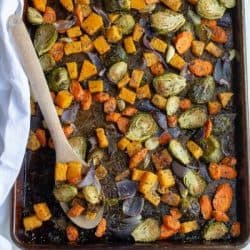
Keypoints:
pixel 91 194
pixel 203 90
pixel 42 211
pixel 214 230
pixel 47 62
pixel 167 21
pixel 222 123
pixel 228 3
pixel 58 79
pixel 126 23
pixel 190 206
pixel 189 226
pixel 203 33
pixel 45 37
pixel 117 71
pixel 79 144
pixel 114 5
pixel 147 231
pixel 169 84
pixel 34 17
pixel 65 192
pixel 172 106
pixel 31 222
pixel 193 118
pixel 141 127
pixel 116 54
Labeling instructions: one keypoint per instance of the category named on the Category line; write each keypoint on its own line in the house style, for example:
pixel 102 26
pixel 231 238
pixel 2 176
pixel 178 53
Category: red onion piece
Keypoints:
pixel 133 206
pixel 126 189
pixel 89 179
pixel 95 60
pixel 103 15
pixel 63 25
pixel 69 115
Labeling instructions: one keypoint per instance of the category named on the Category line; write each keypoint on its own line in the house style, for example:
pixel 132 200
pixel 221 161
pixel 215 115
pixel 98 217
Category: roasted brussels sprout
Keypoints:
pixel 169 84
pixel 194 183
pixel 117 71
pixel 142 126
pixel 210 9
pixel 203 90
pixel 193 118
pixel 91 194
pixel 179 152
pixel 96 156
pixel 214 230
pixel 45 37
pixel 117 5
pixel 167 21
pixel 190 206
pixel 47 62
pixel 116 54
pixel 203 32
pixel 228 3
pixel 79 144
pixel 65 192
pixel 172 105
pixel 34 17
pixel 147 231
pixel 212 149
pixel 221 124
pixel 58 79
pixel 126 23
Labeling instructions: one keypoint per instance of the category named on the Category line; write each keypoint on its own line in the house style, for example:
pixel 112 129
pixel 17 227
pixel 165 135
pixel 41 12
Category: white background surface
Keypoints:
pixel 6 209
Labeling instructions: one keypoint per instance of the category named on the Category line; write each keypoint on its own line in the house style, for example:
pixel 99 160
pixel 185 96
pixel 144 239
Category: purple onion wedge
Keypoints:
pixel 126 189
pixel 133 206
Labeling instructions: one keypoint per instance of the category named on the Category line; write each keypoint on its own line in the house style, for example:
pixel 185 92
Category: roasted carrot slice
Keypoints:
pixel 101 228
pixel 235 229
pixel 220 216
pixel 205 206
pixel 86 100
pixel 113 117
pixel 185 104
pixel 166 233
pixel 101 97
pixel 76 90
pixel 57 51
pixel 229 160
pixel 122 124
pixel 223 197
pixel 165 138
pixel 201 67
pixel 129 111
pixel 208 127
pixel 110 105
pixel 172 223
pixel 209 23
pixel 183 41
pixel 175 212
pixel 228 172
pixel 219 35
pixel 137 158
pixel 214 171
pixel 49 15
pixel 72 233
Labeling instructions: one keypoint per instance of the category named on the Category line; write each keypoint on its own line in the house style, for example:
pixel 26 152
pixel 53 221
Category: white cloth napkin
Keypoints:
pixel 14 108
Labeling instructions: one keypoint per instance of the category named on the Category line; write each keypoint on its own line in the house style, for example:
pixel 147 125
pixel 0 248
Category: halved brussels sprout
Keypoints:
pixel 91 194
pixel 222 123
pixel 96 156
pixel 45 37
pixel 193 118
pixel 79 145
pixel 142 126
pixel 169 84
pixel 179 152
pixel 117 5
pixel 147 231
pixel 228 3
pixel 116 54
pixel 212 149
pixel 172 106
pixel 167 21
pixel 214 230
pixel 47 62
pixel 190 206
pixel 34 17
pixel 117 71
pixel 203 32
pixel 210 9
pixel 58 79
pixel 203 90
pixel 195 184
pixel 126 23
pixel 65 192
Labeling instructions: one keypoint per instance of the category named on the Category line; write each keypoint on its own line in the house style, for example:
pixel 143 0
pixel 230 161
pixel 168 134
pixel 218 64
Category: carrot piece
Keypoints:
pixel 209 23
pixel 76 90
pixel 113 117
pixel 175 212
pixel 166 233
pixel 214 108
pixel 214 171
pixel 172 121
pixel 101 97
pixel 76 210
pixel 86 100
pixel 137 158
pixel 219 35
pixel 208 127
pixel 72 233
pixel 206 207
pixel 157 69
pixel 123 124
pixel 49 15
pixel 41 136
pixel 101 228
pixel 68 130
pixel 110 105
pixel 185 104
pixel 79 14
pixel 223 197
pixel 220 216
pixel 201 67
pixel 165 138
pixel 57 51
pixel 229 160
pixel 228 172
pixel 129 111
pixel 172 223
pixel 183 42
pixel 235 229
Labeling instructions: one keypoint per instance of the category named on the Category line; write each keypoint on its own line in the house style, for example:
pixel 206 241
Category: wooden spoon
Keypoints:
pixel 39 86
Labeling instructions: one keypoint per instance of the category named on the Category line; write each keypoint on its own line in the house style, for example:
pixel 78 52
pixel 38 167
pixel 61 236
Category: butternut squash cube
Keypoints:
pixel 138 32
pixel 102 138
pixel 74 172
pixel 147 182
pixel 166 178
pixel 173 4
pixel 72 70
pixel 133 148
pixel 92 24
pixel 137 174
pixel 113 17
pixel 87 44
pixel 150 58
pixel 95 86
pixel 177 62
pixel 113 34
pixel 124 81
pixel 129 45
pixel 64 99
pixel 159 101
pixel 73 48
pixel 138 4
pixel 158 45
pixel 224 98
pixel 88 70
pixel 143 92
pixel 123 143
pixel 194 149
pixel 198 47
pixel 68 5
pixel 127 95
pixel 42 211
pixel 61 171
pixel 214 50
pixel 214 108
pixel 31 222
pixel 40 5
pixel 74 32
pixel 153 198
pixel 136 78
pixel 189 226
pixel 101 45
pixel 87 2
